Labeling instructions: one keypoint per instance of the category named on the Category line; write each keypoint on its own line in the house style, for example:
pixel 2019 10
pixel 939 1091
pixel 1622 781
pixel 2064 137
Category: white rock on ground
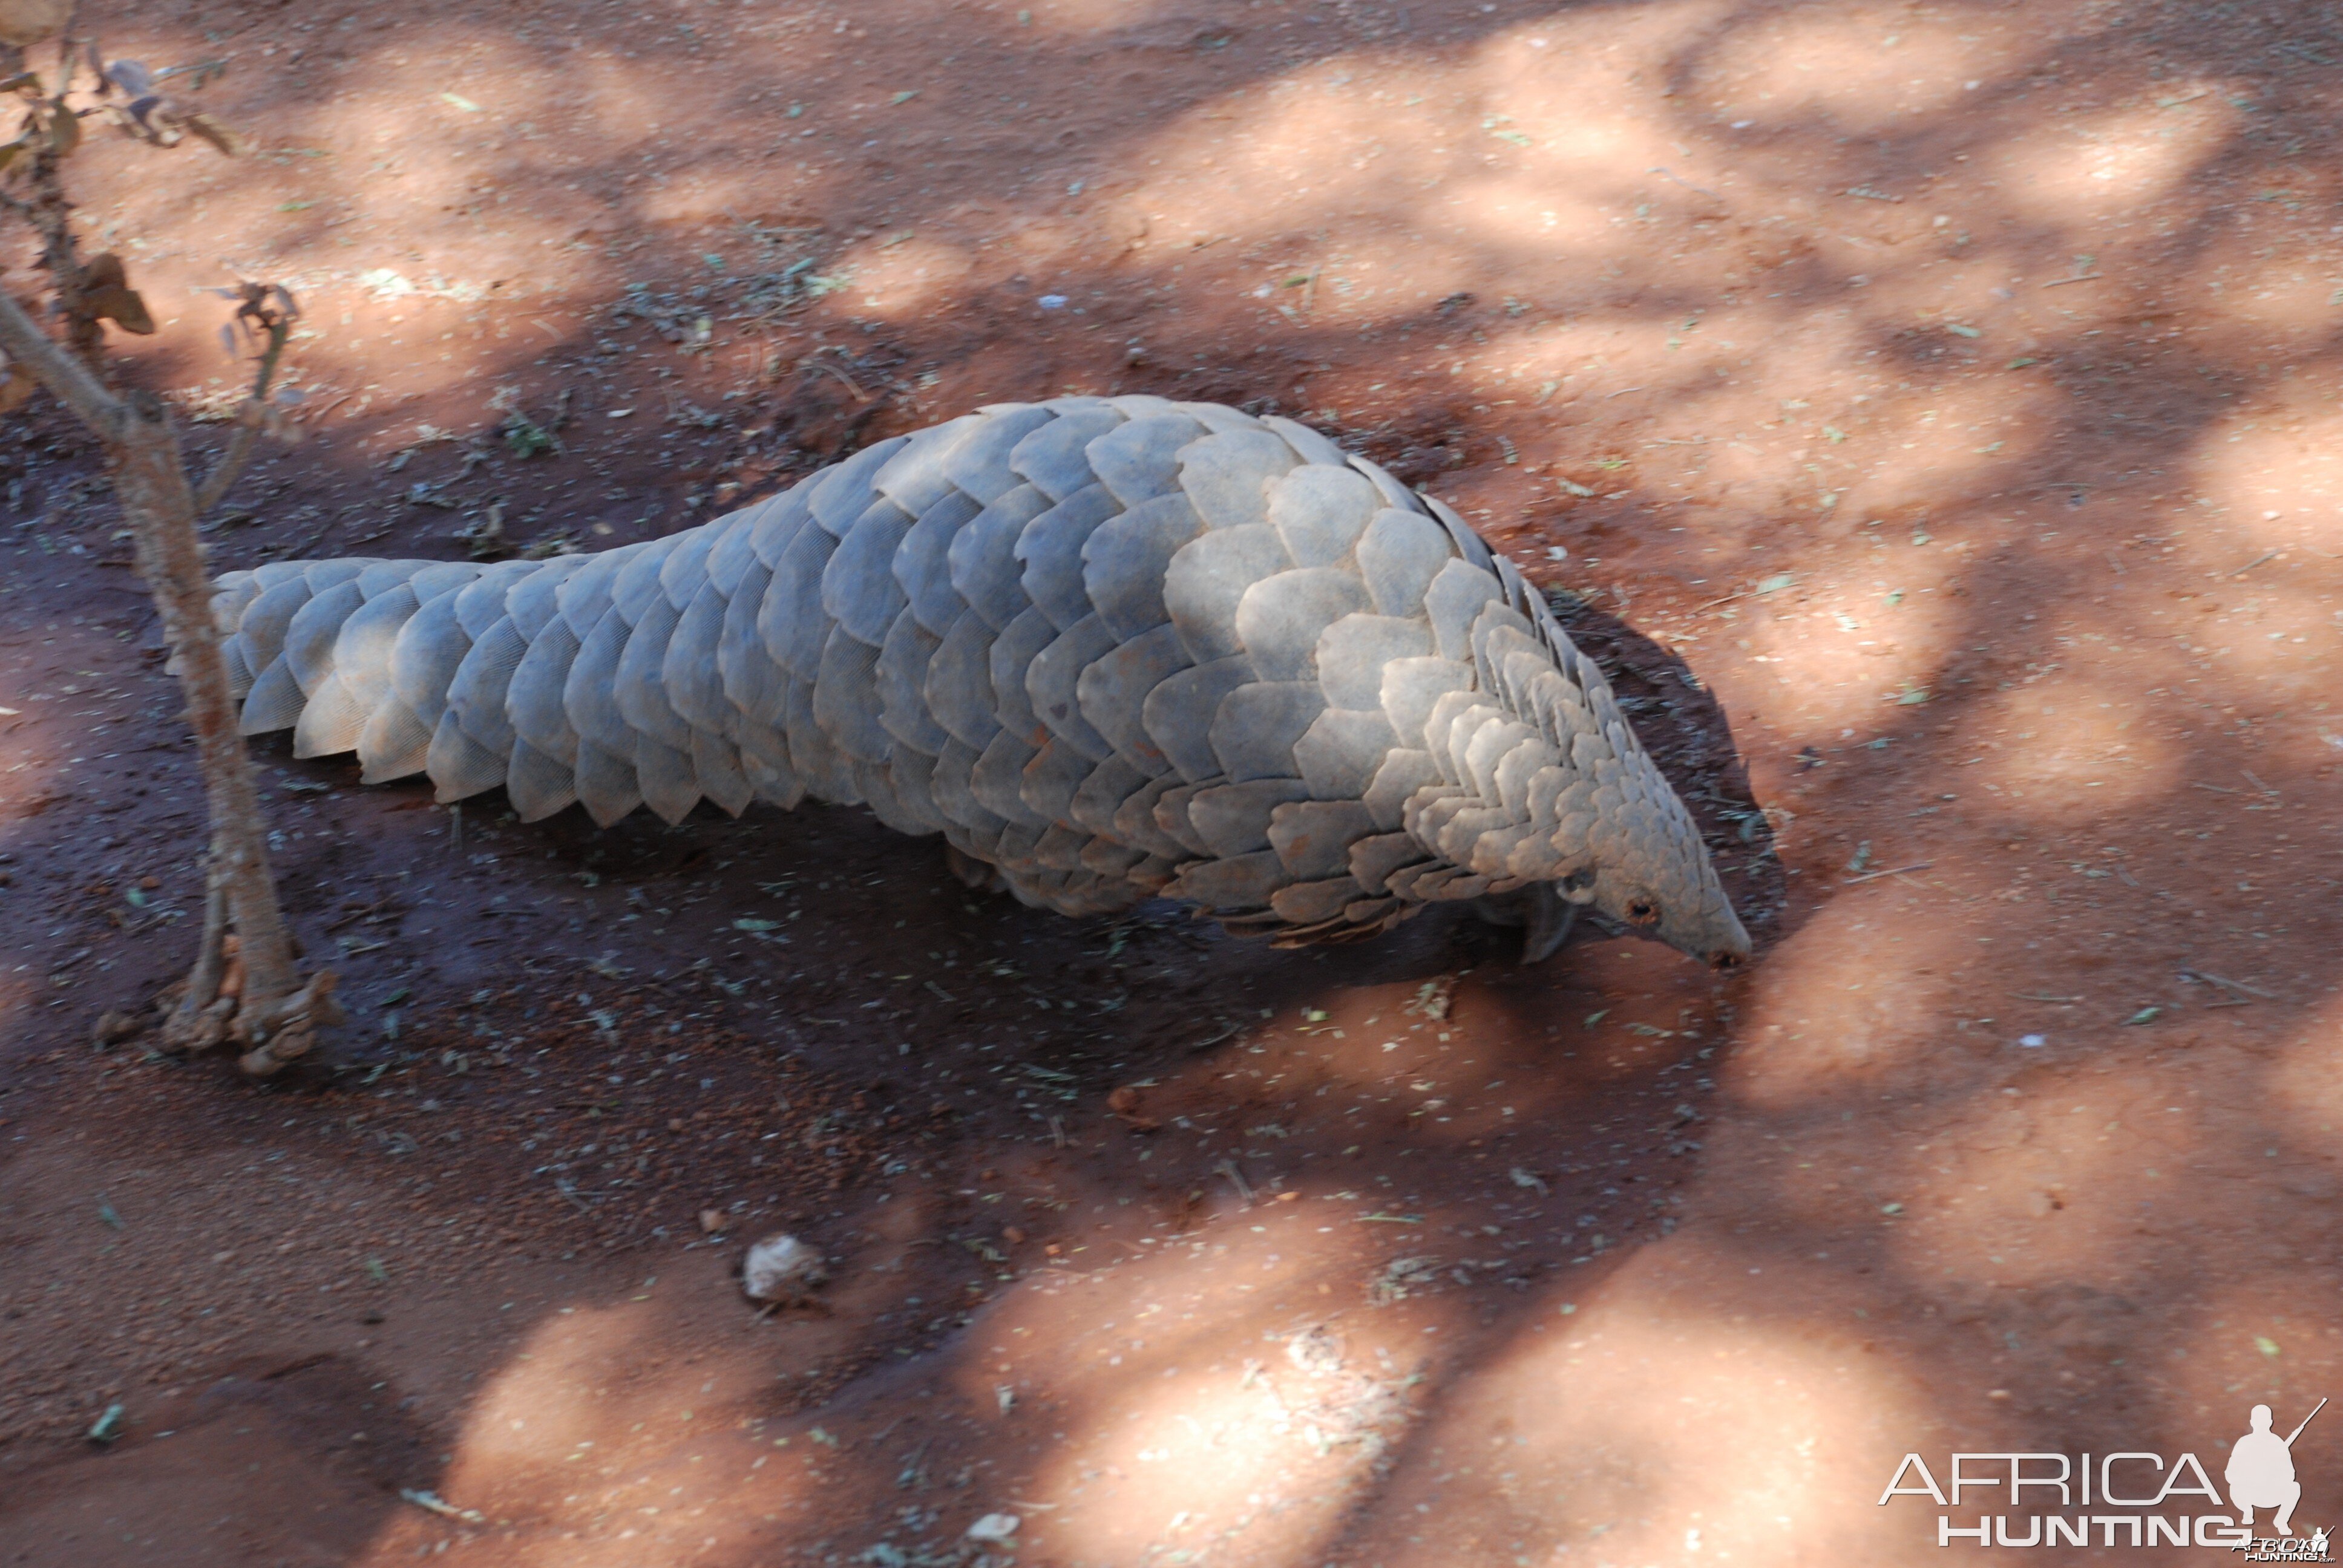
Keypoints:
pixel 780 1268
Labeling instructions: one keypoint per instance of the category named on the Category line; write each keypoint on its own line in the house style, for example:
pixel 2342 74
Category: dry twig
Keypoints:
pixel 243 986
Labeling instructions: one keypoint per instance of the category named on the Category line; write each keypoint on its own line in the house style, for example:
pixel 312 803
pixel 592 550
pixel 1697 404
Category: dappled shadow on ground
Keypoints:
pixel 1928 410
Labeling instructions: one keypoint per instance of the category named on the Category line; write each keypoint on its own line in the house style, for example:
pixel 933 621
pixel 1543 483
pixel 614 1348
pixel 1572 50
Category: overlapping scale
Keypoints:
pixel 1112 646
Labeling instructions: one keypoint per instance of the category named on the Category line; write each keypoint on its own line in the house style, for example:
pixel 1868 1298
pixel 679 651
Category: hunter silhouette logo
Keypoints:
pixel 2127 1499
pixel 2261 1472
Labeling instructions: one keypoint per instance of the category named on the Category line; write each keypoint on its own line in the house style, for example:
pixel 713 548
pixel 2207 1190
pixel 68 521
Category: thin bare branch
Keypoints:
pixel 230 463
pixel 254 415
pixel 151 481
pixel 51 214
pixel 59 371
pixel 256 1000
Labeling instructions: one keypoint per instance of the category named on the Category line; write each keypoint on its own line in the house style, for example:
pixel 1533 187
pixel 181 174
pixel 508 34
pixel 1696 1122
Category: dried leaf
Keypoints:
pixel 8 153
pixel 103 270
pixel 22 81
pixel 16 385
pixel 205 126
pixel 524 437
pixel 151 118
pixel 23 22
pixel 65 131
pixel 132 77
pixel 122 306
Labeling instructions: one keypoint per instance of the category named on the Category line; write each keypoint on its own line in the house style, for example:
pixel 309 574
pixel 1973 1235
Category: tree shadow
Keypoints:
pixel 1909 1133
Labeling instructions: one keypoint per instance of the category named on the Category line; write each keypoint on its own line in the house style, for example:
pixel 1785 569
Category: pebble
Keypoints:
pixel 113 1027
pixel 994 1527
pixel 780 1268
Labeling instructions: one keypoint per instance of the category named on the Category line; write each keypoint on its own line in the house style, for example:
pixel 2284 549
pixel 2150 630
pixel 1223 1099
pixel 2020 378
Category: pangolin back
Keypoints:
pixel 1114 648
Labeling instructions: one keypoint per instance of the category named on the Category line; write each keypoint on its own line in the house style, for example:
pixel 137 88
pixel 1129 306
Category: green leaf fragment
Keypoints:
pixel 524 437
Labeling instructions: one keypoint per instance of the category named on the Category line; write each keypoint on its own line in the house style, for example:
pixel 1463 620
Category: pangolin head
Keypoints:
pixel 1641 862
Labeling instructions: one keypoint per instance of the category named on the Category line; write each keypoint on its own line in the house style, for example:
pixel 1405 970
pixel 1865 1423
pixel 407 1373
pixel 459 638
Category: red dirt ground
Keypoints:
pixel 1932 409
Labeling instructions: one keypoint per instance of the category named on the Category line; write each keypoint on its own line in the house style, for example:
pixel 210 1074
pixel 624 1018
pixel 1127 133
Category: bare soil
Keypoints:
pixel 1930 412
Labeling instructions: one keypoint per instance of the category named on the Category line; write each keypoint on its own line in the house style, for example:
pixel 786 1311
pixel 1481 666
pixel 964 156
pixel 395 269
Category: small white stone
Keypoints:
pixel 994 1527
pixel 780 1268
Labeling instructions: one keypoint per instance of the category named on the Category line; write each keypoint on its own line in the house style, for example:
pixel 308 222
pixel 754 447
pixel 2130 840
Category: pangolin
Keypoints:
pixel 1111 648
